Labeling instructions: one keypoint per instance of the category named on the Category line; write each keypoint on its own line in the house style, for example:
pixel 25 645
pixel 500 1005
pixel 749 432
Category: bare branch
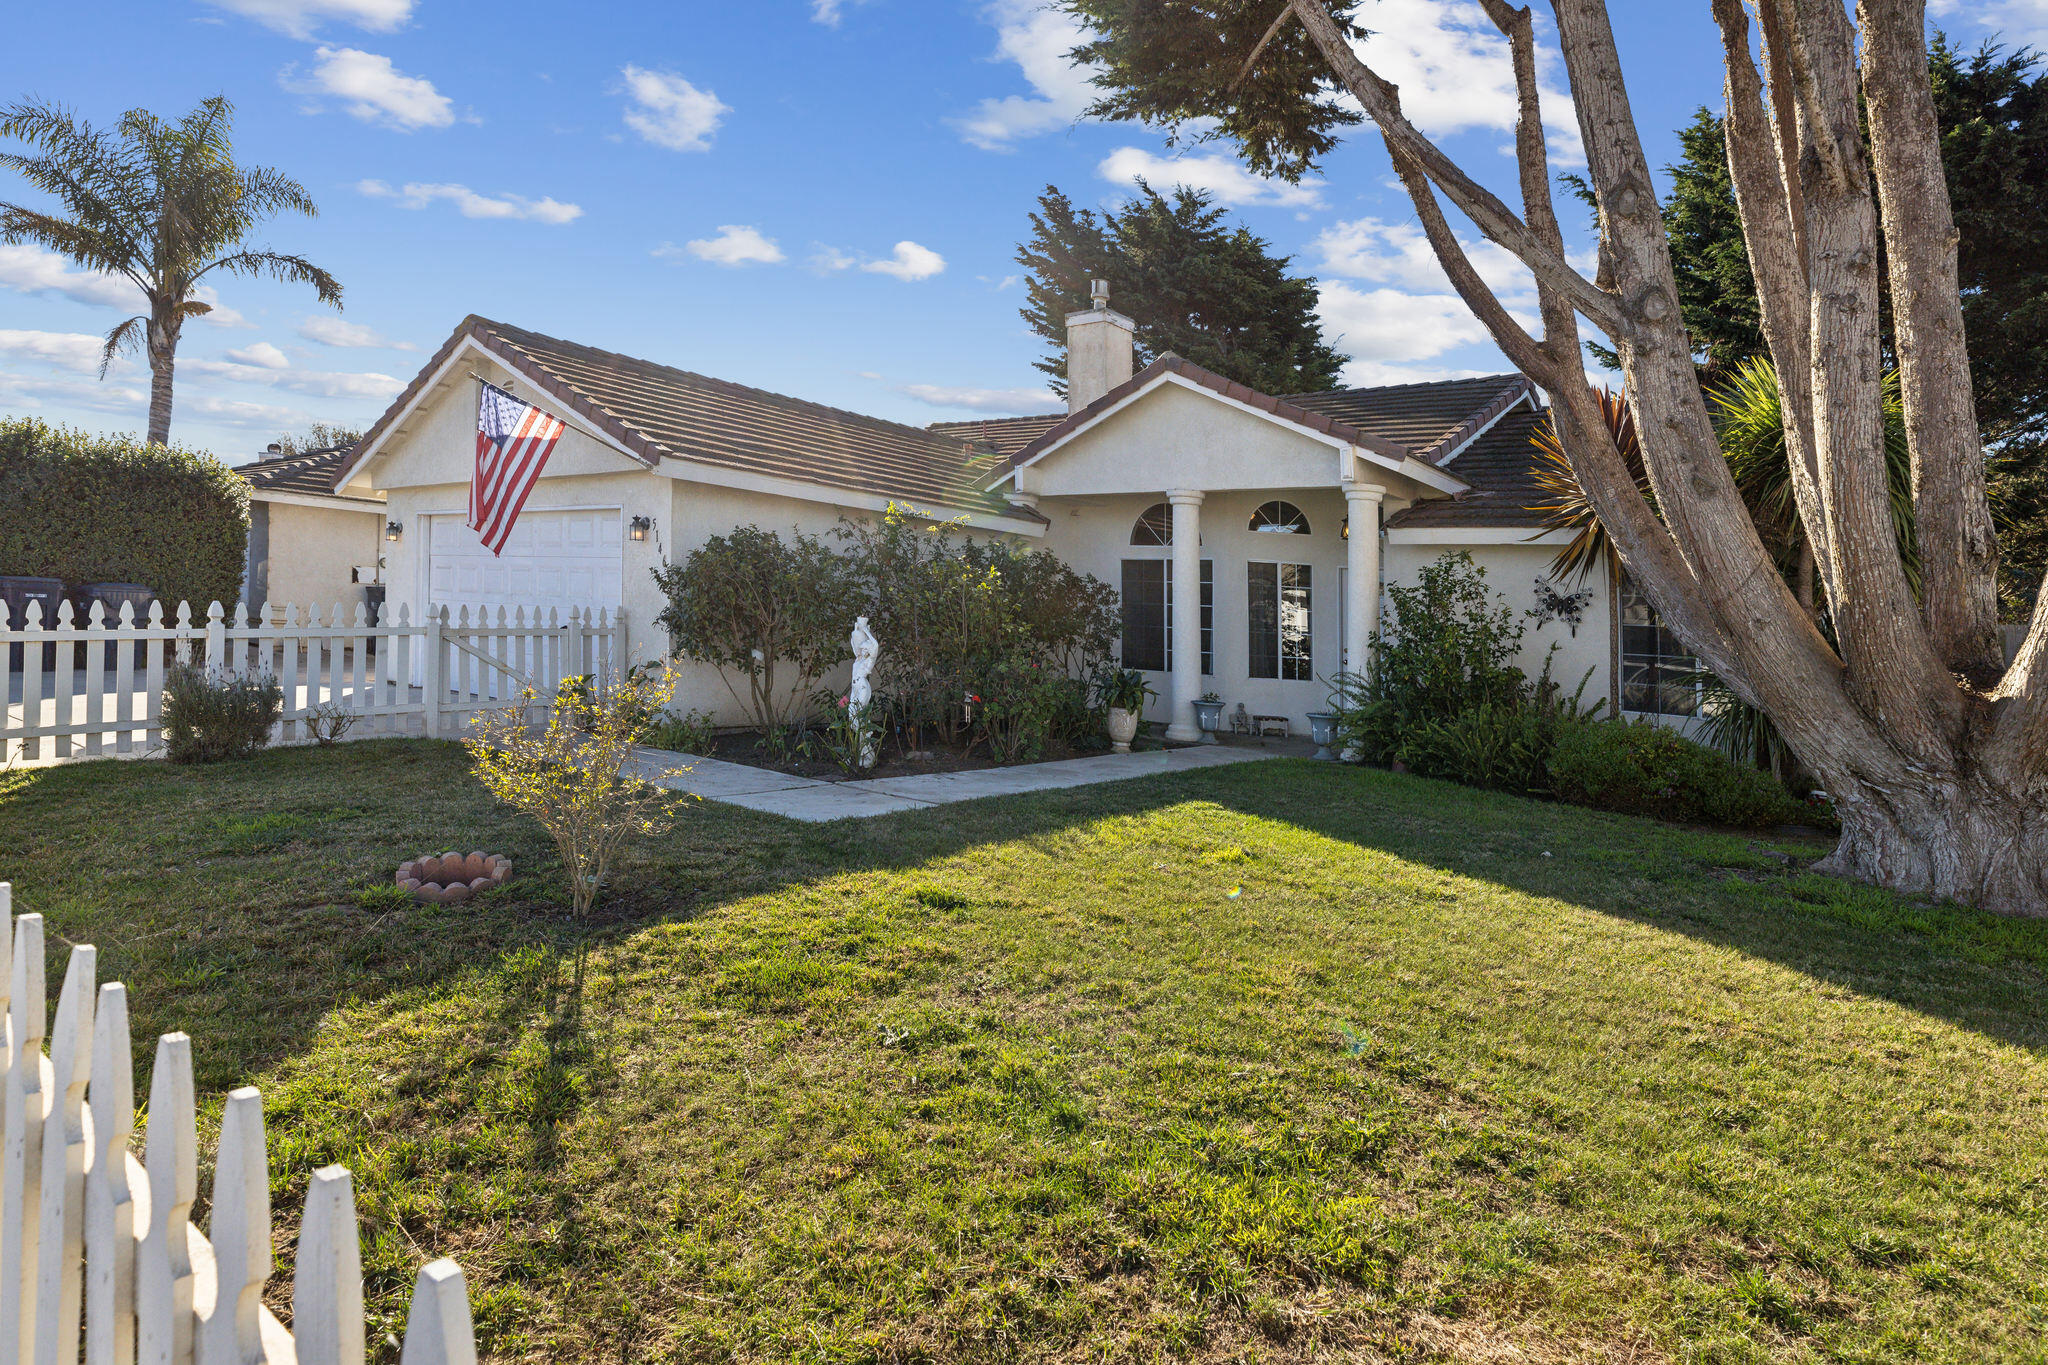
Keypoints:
pixel 1382 102
pixel 1259 48
pixel 1769 225
pixel 1958 546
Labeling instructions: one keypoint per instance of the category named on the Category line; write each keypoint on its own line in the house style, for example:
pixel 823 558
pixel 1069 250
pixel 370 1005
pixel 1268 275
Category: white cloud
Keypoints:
pixel 78 351
pixel 830 12
pixel 1386 332
pixel 471 204
pixel 1222 176
pixel 222 315
pixel 1456 75
pixel 1001 402
pixel 908 262
pixel 348 335
pixel 375 91
pixel 2016 22
pixel 263 355
pixel 734 245
pixel 670 112
pixel 300 18
pixel 324 383
pixel 1037 37
pixel 235 412
pixel 35 270
pixel 39 391
pixel 1399 254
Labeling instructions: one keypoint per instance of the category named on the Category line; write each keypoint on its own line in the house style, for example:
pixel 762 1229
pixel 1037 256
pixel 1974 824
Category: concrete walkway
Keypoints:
pixel 808 798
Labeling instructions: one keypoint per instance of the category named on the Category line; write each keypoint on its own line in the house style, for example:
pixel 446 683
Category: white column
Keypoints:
pixel 1187 616
pixel 1362 556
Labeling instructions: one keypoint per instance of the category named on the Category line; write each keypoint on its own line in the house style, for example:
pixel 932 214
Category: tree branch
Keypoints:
pixel 1382 102
pixel 1958 545
pixel 1765 201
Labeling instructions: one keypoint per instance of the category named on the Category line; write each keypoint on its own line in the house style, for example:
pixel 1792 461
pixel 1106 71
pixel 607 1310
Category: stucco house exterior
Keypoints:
pixel 309 545
pixel 1172 485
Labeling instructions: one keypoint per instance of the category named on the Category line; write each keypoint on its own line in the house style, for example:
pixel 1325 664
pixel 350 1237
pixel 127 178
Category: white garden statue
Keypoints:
pixel 861 694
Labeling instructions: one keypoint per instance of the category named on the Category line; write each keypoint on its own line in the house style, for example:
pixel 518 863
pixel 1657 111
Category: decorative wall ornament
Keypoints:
pixel 1553 603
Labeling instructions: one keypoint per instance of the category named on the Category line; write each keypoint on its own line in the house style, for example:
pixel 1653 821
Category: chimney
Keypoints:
pixel 1098 349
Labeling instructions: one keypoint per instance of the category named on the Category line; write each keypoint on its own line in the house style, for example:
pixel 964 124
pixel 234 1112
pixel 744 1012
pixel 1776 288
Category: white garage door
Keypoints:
pixel 552 559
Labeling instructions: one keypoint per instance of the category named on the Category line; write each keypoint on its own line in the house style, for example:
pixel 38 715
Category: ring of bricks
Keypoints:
pixel 450 878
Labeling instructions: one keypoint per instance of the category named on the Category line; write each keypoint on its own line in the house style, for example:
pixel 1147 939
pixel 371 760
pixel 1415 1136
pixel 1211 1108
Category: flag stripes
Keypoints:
pixel 513 442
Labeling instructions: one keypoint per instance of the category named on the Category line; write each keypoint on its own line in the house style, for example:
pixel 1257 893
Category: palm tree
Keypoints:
pixel 160 204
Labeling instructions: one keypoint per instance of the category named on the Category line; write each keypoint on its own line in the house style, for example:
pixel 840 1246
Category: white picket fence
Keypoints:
pixel 99 1261
pixel 93 688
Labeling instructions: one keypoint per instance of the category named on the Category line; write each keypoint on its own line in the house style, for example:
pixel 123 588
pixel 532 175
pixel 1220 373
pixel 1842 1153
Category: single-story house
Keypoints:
pixel 309 545
pixel 1171 484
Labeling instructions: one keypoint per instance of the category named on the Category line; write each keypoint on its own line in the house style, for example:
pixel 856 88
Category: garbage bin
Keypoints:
pixel 17 591
pixel 110 596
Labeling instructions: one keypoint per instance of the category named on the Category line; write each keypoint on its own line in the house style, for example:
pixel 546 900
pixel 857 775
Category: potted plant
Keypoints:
pixel 1209 715
pixel 1123 692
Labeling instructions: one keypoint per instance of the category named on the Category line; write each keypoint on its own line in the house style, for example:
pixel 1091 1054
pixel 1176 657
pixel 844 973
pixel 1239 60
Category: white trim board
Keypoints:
pixel 336 502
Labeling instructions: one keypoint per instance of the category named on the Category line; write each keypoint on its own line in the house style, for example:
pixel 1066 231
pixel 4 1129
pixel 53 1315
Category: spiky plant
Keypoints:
pixel 160 204
pixel 1569 507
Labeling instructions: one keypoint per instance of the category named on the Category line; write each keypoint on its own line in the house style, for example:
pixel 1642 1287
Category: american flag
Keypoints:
pixel 513 442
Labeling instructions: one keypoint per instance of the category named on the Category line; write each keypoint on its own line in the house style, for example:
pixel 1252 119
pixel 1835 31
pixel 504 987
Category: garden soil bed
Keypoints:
pixel 744 746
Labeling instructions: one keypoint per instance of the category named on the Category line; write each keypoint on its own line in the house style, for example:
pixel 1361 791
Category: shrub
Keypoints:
pixel 776 613
pixel 208 717
pixel 687 732
pixel 1441 652
pixel 90 509
pixel 960 618
pixel 570 773
pixel 1647 769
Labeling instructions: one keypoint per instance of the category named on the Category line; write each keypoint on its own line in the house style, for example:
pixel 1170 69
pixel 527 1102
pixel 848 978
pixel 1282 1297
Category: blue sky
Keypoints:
pixel 819 197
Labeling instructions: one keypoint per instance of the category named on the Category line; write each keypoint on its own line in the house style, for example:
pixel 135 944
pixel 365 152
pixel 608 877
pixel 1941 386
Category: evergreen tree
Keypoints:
pixel 1210 292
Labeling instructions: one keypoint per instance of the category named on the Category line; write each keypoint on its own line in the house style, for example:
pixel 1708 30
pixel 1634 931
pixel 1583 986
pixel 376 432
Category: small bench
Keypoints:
pixel 1271 725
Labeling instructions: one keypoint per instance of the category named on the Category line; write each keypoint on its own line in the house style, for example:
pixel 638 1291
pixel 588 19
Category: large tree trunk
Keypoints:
pixel 162 342
pixel 1938 766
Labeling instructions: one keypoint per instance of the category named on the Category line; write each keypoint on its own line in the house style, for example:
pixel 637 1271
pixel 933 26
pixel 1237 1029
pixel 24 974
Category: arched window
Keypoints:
pixel 1155 527
pixel 1281 518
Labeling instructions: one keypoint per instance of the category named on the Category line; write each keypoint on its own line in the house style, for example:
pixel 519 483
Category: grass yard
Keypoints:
pixel 1276 1062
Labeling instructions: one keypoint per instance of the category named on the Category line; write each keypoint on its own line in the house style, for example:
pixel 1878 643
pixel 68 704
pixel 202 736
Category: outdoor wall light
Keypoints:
pixel 393 530
pixel 1344 531
pixel 640 526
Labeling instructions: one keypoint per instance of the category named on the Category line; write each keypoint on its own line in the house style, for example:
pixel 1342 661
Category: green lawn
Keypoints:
pixel 1282 1061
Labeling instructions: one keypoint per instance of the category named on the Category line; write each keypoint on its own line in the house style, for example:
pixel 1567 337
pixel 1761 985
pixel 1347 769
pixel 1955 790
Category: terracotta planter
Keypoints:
pixel 1123 728
pixel 451 878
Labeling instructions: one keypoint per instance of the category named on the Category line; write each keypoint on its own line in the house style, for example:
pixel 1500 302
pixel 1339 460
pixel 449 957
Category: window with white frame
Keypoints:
pixel 1279 604
pixel 1658 673
pixel 1148 615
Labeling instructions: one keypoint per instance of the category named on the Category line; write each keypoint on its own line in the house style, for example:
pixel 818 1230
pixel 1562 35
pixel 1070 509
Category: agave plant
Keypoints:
pixel 1569 507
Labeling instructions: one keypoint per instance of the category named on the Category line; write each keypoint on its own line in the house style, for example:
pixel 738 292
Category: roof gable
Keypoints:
pixel 654 412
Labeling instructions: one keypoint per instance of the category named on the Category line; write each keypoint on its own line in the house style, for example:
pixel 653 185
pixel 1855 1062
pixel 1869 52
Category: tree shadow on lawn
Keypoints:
pixel 243 903
pixel 1752 893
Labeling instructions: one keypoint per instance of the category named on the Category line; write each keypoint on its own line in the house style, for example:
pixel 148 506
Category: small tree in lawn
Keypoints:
pixel 774 612
pixel 570 774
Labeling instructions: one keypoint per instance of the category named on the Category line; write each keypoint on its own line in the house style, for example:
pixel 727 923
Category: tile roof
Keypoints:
pixel 312 472
pixel 658 411
pixel 1501 467
pixel 1428 420
pixel 1002 435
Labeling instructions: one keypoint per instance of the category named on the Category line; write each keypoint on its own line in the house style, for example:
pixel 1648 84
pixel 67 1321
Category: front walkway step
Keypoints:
pixel 807 798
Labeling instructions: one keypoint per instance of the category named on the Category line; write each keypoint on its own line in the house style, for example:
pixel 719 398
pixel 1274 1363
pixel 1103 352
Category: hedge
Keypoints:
pixel 100 509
